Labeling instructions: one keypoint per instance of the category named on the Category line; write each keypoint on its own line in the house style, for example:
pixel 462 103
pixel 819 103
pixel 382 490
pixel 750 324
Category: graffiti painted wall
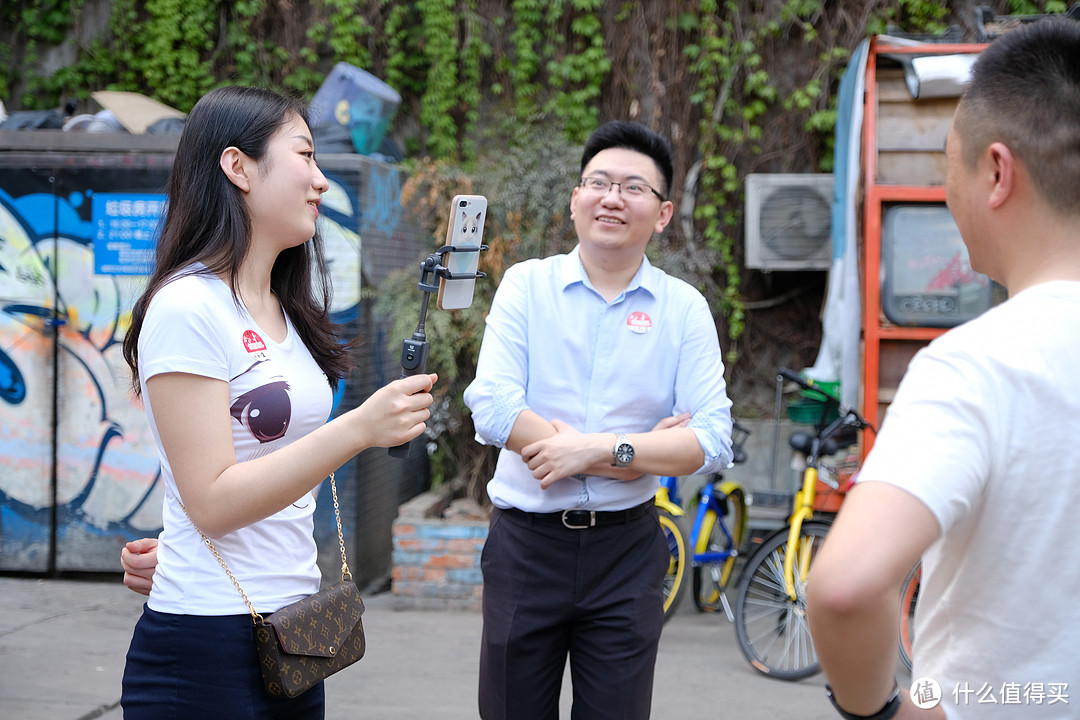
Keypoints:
pixel 79 472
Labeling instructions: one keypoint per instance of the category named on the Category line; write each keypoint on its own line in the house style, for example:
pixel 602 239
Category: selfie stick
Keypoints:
pixel 414 350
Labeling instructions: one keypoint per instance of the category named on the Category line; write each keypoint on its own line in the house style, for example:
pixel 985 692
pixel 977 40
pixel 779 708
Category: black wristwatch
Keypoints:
pixel 892 706
pixel 623 453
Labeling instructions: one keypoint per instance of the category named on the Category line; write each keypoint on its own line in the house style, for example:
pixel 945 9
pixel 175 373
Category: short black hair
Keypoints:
pixel 631 136
pixel 1025 93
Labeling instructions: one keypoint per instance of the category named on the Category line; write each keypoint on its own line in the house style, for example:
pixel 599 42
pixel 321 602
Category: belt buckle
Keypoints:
pixel 575 526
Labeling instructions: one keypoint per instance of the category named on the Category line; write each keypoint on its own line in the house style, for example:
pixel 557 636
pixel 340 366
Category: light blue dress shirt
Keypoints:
pixel 555 346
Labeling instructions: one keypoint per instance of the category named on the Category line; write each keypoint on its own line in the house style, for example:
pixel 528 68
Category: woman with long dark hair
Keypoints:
pixel 232 349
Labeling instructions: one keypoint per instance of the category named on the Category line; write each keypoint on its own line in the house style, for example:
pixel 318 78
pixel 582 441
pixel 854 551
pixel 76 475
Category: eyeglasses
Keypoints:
pixel 633 190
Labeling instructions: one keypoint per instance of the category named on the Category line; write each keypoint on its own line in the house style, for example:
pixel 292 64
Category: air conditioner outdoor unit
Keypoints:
pixel 789 221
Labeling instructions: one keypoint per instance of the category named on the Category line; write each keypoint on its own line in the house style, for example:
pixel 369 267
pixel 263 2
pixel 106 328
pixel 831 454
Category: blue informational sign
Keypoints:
pixel 125 232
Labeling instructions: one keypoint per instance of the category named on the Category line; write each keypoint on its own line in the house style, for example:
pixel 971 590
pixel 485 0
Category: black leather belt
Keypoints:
pixel 578 519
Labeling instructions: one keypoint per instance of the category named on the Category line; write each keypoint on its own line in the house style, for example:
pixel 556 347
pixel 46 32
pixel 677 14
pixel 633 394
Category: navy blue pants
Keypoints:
pixel 191 667
pixel 595 595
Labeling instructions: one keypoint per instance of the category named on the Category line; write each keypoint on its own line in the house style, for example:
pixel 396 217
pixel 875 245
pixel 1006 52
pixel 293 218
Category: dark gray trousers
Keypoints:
pixel 595 595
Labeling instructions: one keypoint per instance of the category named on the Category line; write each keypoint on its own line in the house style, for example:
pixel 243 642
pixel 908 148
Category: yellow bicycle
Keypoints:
pixel 770 606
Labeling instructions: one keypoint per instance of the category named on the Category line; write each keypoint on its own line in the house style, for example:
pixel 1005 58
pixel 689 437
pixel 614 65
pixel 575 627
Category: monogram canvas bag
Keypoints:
pixel 303 643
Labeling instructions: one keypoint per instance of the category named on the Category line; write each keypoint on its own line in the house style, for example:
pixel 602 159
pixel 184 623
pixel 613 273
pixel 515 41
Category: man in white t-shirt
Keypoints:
pixel 976 467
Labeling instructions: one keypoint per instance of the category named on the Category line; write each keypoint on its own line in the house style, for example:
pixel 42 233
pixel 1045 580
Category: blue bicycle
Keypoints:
pixel 712 545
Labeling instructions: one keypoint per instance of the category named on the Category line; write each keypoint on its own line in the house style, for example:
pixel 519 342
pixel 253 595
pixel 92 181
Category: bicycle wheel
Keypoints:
pixel 711 578
pixel 772 629
pixel 678 540
pixel 909 596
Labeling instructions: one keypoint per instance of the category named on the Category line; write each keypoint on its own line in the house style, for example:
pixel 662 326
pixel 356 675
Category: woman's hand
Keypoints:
pixel 396 413
pixel 139 560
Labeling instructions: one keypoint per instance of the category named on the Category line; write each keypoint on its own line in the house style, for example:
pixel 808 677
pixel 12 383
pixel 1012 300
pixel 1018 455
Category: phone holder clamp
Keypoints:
pixel 433 267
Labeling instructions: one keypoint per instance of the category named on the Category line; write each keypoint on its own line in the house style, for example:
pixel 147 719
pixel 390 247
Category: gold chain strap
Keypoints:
pixel 345 574
pixel 256 617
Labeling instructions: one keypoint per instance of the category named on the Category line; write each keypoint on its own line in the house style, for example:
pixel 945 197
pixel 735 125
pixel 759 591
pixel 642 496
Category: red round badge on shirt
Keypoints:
pixel 252 341
pixel 638 322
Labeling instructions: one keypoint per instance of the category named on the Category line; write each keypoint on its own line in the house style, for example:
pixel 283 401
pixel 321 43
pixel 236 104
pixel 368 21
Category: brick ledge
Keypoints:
pixel 436 560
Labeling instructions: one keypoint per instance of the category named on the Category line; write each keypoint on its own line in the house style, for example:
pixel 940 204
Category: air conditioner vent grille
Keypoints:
pixel 788 221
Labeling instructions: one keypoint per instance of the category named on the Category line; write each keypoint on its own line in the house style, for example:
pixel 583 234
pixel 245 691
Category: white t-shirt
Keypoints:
pixel 277 393
pixel 985 429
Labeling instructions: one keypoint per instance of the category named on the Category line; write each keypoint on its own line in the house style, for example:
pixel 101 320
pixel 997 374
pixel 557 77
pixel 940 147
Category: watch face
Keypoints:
pixel 624 453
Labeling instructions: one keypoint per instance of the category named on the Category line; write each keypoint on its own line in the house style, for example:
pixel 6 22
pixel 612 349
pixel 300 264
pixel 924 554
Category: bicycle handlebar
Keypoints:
pixel 848 415
pixel 804 383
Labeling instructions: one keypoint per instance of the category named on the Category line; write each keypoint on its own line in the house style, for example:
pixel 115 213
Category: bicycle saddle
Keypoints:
pixel 804 442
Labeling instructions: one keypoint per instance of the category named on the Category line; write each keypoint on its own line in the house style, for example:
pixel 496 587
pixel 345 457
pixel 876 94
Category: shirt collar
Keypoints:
pixel 574 272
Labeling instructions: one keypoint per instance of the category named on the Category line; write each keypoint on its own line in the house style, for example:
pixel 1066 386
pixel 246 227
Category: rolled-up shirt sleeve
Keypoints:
pixel 700 388
pixel 497 396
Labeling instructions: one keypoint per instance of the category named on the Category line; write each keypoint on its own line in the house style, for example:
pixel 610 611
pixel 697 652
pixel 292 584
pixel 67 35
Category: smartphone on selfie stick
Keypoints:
pixel 451 272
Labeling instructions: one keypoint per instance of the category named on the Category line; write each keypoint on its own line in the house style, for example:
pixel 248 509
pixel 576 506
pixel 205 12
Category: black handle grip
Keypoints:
pixel 413 362
pixel 790 375
pixel 794 377
pixel 400 451
pixel 805 384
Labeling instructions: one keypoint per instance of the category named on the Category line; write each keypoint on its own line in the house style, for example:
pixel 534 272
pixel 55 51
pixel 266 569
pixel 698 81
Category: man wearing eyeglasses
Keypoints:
pixel 598 372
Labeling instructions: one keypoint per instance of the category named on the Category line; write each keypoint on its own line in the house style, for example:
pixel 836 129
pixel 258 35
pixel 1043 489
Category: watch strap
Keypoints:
pixel 892 706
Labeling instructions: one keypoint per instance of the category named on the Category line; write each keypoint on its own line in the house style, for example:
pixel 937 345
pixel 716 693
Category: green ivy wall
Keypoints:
pixel 499 94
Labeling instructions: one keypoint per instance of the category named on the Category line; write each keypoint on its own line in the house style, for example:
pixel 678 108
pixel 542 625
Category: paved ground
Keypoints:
pixel 62 646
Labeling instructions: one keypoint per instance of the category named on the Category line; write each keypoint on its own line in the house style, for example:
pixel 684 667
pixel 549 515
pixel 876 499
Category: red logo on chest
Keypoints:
pixel 639 322
pixel 252 341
